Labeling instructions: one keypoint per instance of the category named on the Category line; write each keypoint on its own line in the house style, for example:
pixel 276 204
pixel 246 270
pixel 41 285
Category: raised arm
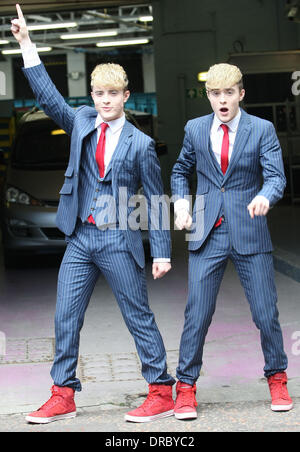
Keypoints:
pixel 48 97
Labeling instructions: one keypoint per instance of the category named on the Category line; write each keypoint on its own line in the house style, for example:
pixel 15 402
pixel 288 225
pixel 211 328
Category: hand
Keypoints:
pixel 19 28
pixel 183 219
pixel 258 206
pixel 159 269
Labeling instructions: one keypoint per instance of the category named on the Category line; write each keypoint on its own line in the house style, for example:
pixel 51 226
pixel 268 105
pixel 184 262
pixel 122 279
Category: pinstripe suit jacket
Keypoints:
pixel 135 162
pixel 255 168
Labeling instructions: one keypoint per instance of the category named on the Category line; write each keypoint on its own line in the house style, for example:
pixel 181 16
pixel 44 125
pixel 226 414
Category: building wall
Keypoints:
pixel 190 36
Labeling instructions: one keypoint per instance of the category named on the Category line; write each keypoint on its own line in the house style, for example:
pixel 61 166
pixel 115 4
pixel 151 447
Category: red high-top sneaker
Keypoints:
pixel 185 405
pixel 158 404
pixel 61 405
pixel 281 400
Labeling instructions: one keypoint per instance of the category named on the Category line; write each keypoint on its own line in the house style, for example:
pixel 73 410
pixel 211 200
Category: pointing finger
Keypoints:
pixel 19 11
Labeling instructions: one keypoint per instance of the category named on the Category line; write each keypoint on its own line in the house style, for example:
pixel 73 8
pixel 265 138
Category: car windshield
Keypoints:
pixel 41 145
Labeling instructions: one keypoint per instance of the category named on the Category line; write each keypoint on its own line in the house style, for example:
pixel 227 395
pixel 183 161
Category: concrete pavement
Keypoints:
pixel 232 394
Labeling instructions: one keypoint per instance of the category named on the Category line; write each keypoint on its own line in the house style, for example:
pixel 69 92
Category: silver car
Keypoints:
pixel 30 194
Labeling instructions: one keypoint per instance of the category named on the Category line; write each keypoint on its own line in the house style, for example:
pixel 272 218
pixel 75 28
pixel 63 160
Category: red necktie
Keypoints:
pixel 100 151
pixel 225 149
pixel 224 158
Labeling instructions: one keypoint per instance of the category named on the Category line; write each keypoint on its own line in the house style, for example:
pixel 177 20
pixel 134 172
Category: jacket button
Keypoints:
pixel 222 189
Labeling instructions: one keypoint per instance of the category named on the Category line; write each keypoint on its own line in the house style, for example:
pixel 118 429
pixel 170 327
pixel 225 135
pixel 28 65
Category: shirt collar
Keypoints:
pixel 232 125
pixel 114 125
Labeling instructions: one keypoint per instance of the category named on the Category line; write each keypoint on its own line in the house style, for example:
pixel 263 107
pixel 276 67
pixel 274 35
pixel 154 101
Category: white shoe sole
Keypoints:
pixel 281 407
pixel 130 418
pixel 191 415
pixel 47 420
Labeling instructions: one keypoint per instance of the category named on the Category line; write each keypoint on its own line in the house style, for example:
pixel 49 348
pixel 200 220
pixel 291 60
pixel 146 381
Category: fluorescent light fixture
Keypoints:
pixel 3 41
pixel 97 34
pixel 52 26
pixel 146 18
pixel 123 42
pixel 202 76
pixel 16 51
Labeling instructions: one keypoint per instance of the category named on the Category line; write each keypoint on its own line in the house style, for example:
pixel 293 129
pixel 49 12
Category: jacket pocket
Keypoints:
pixel 66 189
pixel 200 201
pixel 69 171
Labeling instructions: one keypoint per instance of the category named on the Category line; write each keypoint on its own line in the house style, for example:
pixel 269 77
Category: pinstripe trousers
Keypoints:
pixel 89 252
pixel 206 269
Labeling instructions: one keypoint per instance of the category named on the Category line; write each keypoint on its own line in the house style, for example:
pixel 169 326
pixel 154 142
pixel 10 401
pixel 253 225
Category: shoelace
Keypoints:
pixel 153 392
pixel 54 400
pixel 186 397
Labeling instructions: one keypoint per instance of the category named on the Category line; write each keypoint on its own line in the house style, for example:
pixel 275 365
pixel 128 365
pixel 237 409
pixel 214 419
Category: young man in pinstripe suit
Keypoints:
pixel 117 252
pixel 231 151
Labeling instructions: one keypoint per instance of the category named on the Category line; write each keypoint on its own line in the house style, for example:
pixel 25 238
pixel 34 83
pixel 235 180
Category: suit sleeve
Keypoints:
pixel 48 97
pixel 274 180
pixel 183 168
pixel 157 202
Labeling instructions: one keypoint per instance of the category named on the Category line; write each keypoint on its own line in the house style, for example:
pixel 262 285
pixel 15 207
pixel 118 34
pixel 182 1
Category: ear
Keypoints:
pixel 126 95
pixel 242 94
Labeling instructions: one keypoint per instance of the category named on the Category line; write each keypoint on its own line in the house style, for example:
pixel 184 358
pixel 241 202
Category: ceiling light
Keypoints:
pixel 124 42
pixel 52 26
pixel 3 41
pixel 16 51
pixel 89 34
pixel 146 18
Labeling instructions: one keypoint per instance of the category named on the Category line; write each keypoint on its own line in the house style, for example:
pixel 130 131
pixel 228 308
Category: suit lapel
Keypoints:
pixel 205 145
pixel 240 142
pixel 124 142
pixel 121 150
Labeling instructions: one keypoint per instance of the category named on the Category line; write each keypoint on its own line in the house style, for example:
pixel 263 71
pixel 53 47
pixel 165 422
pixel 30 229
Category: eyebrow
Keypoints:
pixel 222 89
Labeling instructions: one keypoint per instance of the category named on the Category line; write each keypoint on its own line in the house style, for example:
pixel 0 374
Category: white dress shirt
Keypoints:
pixel 30 56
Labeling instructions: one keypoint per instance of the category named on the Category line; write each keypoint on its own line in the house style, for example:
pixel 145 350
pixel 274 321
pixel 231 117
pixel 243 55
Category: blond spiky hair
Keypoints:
pixel 222 76
pixel 109 75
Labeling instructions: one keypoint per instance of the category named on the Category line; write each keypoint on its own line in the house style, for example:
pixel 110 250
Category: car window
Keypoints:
pixel 41 145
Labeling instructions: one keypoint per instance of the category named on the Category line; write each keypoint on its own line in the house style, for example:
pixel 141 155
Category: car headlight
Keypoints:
pixel 16 196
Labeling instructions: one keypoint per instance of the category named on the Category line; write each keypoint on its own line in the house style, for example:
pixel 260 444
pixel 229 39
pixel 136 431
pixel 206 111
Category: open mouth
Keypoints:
pixel 224 110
